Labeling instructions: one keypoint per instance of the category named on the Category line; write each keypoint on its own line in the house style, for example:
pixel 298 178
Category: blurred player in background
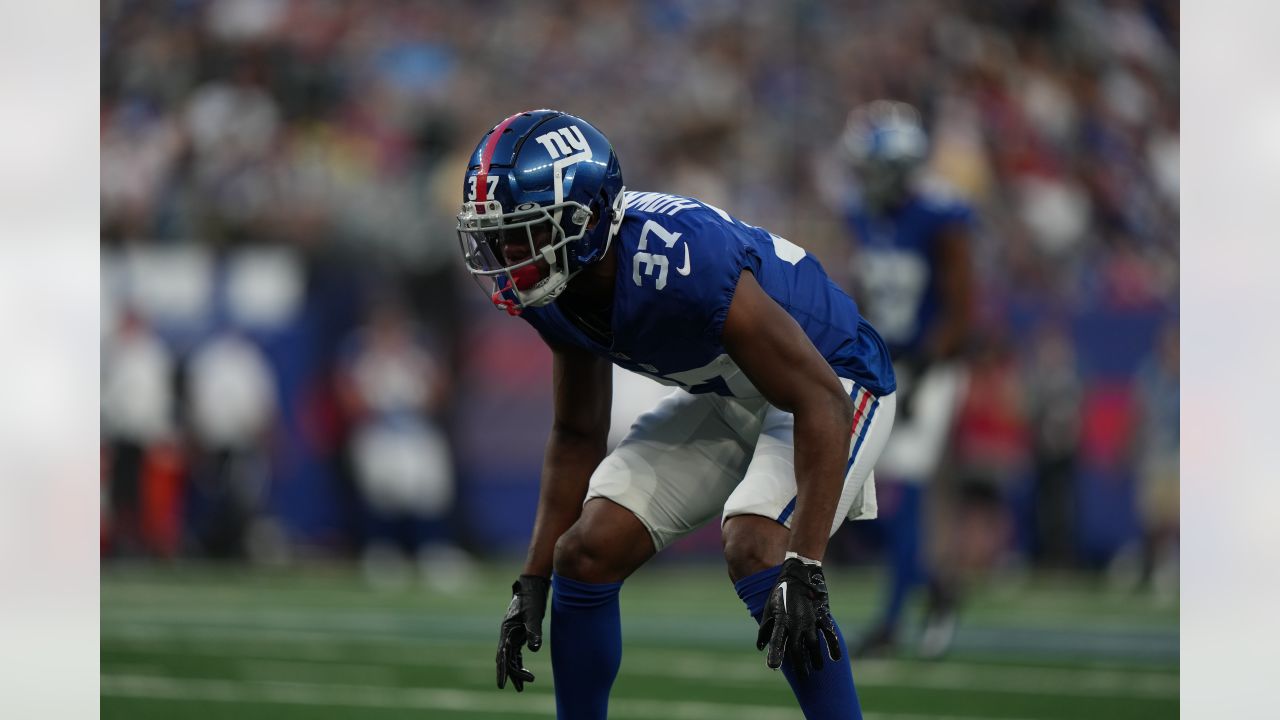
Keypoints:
pixel 137 422
pixel 785 400
pixel 912 276
pixel 232 395
pixel 392 386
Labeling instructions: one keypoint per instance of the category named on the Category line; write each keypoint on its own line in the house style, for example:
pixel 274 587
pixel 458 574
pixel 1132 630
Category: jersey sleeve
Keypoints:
pixel 705 263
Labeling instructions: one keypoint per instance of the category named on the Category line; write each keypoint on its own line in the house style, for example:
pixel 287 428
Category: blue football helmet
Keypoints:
pixel 885 143
pixel 532 188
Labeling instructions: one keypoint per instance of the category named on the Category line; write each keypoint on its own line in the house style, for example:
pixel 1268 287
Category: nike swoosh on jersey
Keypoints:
pixel 684 270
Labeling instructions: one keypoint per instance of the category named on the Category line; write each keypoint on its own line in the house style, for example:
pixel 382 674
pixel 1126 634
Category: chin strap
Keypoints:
pixel 505 303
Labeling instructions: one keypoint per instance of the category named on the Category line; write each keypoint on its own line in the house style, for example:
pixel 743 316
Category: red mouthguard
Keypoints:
pixel 526 277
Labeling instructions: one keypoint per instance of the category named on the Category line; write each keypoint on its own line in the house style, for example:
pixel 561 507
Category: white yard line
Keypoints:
pixel 719 633
pixel 208 690
pixel 258 647
pixel 1022 680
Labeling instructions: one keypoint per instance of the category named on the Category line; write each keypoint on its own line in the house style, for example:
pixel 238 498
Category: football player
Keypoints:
pixel 913 278
pixel 783 401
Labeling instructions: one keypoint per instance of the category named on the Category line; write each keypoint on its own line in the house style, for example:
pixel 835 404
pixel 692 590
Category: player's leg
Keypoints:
pixel 670 474
pixel 901 517
pixel 605 545
pixel 908 466
pixel 757 527
pixel 592 558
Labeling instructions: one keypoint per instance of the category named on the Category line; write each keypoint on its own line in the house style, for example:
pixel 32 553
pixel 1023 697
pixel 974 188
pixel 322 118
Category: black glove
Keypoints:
pixel 522 624
pixel 796 612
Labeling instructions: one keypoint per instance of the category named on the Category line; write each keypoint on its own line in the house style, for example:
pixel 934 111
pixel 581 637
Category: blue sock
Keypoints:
pixel 586 646
pixel 905 571
pixel 827 694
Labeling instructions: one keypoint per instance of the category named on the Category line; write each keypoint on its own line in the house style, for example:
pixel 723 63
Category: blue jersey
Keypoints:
pixel 897 270
pixel 678 266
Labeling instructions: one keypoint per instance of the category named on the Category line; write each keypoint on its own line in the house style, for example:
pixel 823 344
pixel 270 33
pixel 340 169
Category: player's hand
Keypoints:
pixel 797 611
pixel 522 625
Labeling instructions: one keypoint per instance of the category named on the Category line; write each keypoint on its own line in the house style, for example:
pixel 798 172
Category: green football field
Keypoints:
pixel 203 643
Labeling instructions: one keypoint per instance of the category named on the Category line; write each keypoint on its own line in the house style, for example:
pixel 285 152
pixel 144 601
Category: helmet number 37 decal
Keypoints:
pixel 471 186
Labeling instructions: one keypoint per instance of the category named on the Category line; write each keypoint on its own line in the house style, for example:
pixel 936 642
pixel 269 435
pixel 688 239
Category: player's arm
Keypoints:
pixel 780 360
pixel 583 390
pixel 953 264
pixel 946 336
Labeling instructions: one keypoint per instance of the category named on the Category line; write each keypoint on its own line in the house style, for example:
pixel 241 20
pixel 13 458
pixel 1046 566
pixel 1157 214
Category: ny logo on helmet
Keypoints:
pixel 565 141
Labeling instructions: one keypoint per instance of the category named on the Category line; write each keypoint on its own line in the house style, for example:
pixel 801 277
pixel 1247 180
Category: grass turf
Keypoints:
pixel 317 643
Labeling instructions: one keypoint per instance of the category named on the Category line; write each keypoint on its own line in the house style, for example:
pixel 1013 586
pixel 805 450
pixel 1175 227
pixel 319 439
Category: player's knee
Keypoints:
pixel 605 545
pixel 752 544
pixel 578 558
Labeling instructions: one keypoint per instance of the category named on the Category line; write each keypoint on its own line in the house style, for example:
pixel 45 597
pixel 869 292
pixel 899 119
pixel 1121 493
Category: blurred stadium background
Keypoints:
pixel 321 444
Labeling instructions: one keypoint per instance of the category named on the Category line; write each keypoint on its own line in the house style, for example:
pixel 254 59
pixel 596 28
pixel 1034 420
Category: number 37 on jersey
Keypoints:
pixel 654 260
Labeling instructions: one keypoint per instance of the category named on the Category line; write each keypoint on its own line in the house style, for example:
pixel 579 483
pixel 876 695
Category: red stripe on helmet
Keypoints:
pixel 482 177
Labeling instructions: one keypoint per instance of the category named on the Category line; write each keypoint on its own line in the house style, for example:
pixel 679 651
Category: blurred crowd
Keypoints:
pixel 294 360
